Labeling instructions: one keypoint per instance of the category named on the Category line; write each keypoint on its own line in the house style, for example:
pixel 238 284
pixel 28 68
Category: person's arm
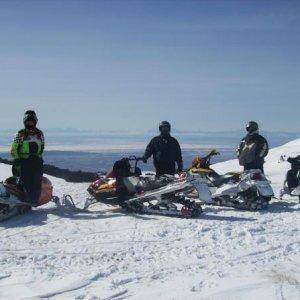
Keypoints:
pixel 15 147
pixel 148 151
pixel 42 143
pixel 179 160
pixel 263 148
pixel 240 147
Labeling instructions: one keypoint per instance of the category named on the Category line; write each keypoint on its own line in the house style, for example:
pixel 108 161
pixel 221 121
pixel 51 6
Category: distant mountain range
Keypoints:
pixel 59 138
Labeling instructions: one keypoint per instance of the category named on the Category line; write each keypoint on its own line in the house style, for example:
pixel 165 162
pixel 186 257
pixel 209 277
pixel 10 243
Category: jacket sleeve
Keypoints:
pixel 17 142
pixel 149 150
pixel 179 156
pixel 240 147
pixel 42 143
pixel 263 148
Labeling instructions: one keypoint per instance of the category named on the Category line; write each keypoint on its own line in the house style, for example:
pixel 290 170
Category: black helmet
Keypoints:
pixel 30 115
pixel 164 124
pixel 252 126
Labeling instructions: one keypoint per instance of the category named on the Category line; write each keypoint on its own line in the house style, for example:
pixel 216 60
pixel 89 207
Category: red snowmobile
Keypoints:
pixel 125 185
pixel 12 197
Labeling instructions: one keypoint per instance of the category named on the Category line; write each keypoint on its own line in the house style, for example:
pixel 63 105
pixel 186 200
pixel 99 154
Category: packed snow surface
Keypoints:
pixel 224 254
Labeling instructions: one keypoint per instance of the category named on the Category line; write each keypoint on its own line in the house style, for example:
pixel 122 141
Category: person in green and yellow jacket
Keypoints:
pixel 27 150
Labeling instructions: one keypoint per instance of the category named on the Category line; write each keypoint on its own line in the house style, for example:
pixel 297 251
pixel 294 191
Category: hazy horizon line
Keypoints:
pixel 150 131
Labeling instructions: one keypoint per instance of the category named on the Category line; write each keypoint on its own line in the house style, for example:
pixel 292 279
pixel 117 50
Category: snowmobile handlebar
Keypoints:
pixel 207 158
pixel 134 158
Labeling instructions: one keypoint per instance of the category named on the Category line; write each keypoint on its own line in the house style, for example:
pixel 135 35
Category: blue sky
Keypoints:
pixel 126 65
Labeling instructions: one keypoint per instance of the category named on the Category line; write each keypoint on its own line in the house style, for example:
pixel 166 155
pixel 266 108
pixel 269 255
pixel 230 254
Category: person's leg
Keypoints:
pixel 261 167
pixel 171 170
pixel 37 181
pixel 159 171
pixel 25 177
pixel 291 179
pixel 16 170
pixel 165 168
pixel 31 179
pixel 247 167
pixel 253 166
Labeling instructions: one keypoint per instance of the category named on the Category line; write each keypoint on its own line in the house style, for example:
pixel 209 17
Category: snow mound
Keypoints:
pixel 225 254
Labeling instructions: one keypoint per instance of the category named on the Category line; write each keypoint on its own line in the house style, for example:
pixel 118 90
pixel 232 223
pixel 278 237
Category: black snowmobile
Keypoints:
pixel 291 184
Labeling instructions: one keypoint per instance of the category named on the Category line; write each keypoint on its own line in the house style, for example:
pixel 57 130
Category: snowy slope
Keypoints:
pixel 225 254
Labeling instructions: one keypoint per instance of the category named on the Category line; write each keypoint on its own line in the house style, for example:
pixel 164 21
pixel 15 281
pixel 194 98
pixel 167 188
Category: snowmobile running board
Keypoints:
pixel 239 205
pixel 164 207
pixel 15 211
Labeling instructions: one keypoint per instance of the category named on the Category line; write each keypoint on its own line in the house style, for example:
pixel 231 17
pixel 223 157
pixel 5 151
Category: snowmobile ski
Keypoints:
pixel 239 204
pixel 7 212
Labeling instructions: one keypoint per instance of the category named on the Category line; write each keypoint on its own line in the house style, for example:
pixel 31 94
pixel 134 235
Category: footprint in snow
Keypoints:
pixel 257 229
pixel 261 240
pixel 205 229
pixel 118 282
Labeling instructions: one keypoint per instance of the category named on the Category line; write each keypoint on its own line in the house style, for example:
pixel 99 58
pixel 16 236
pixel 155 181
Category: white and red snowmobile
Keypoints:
pixel 12 197
pixel 248 190
pixel 126 186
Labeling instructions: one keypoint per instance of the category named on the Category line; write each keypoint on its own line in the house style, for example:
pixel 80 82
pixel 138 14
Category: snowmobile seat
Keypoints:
pixel 14 187
pixel 201 170
pixel 131 183
pixel 222 179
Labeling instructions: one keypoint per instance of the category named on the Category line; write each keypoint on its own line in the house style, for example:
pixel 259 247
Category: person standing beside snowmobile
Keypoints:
pixel 293 175
pixel 253 148
pixel 27 149
pixel 165 150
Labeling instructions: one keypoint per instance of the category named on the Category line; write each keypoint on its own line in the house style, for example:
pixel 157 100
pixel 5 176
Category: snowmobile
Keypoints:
pixel 12 197
pixel 291 185
pixel 144 193
pixel 248 190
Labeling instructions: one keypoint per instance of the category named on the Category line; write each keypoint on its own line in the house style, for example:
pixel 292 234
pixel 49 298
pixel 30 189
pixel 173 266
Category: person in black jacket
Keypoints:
pixel 292 176
pixel 166 152
pixel 253 148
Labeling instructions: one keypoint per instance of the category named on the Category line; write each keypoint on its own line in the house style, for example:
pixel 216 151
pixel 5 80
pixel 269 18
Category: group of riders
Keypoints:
pixel 29 143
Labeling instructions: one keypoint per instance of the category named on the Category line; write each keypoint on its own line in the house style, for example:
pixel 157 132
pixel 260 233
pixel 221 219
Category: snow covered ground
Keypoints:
pixel 225 254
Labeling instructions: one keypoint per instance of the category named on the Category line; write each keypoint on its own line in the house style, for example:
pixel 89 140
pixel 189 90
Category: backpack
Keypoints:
pixel 248 153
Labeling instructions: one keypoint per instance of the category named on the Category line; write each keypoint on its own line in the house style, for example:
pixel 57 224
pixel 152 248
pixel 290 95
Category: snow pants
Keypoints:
pixel 291 178
pixel 165 168
pixel 254 165
pixel 31 175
